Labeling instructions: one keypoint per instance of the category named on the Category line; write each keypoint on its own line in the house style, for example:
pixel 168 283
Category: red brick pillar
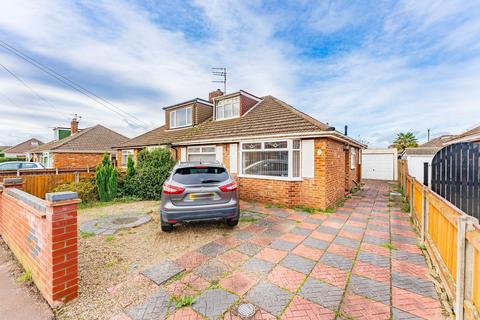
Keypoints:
pixel 63 240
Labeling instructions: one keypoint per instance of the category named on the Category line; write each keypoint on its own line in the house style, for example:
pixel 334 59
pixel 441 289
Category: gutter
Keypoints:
pixel 319 134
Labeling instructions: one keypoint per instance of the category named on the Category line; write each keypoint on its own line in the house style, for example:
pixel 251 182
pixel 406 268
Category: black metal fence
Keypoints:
pixel 456 176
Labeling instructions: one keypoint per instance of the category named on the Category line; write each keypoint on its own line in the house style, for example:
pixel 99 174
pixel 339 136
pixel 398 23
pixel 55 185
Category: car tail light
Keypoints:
pixel 169 189
pixel 229 187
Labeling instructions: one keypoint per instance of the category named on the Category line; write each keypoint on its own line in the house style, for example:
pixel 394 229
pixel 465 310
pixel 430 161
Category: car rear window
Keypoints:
pixel 200 175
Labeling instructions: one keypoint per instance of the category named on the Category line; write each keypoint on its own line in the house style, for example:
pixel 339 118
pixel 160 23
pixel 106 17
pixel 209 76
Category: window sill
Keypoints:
pixel 269 177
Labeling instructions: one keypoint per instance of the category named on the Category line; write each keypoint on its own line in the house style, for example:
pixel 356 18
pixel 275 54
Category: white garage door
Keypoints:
pixel 378 166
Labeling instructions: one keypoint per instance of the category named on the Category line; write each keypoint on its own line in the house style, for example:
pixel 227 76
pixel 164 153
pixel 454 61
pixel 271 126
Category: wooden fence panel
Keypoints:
pixel 39 185
pixel 442 230
pixel 418 201
pixel 474 239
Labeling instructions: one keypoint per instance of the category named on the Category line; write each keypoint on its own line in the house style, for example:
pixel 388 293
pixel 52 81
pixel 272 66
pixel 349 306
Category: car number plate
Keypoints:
pixel 194 196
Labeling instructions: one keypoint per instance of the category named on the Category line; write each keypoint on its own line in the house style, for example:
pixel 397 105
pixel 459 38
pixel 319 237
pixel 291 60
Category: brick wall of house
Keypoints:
pixel 76 160
pixel 43 236
pixel 325 189
pixel 201 113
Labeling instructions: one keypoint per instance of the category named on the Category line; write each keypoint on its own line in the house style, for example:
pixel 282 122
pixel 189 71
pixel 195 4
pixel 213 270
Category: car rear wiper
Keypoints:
pixel 210 181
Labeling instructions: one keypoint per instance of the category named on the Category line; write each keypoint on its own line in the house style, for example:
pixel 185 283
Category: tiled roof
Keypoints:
pixel 97 138
pixel 269 116
pixel 437 142
pixel 25 146
pixel 464 136
pixel 422 151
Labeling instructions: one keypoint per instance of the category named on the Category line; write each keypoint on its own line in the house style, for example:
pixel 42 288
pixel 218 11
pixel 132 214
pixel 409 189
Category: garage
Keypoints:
pixel 379 164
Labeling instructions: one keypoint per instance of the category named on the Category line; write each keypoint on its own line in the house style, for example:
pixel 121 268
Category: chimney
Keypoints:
pixel 74 125
pixel 214 94
pixel 346 130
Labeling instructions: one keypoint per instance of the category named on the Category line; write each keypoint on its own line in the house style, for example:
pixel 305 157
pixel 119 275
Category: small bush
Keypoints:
pixel 25 277
pixel 87 190
pixel 3 159
pixel 106 179
pixel 153 168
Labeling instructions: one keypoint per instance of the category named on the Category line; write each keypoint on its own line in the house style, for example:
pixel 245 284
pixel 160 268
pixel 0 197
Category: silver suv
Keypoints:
pixel 21 165
pixel 199 191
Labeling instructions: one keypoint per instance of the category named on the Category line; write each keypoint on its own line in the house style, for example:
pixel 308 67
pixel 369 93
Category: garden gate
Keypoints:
pixel 456 176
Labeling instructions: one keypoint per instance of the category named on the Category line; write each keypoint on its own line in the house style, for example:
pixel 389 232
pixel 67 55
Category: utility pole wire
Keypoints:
pixel 30 88
pixel 70 83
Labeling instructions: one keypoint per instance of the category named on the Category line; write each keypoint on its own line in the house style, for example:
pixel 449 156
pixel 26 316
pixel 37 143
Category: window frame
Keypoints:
pixel 201 152
pixel 46 155
pixel 128 153
pixel 233 101
pixel 188 120
pixel 290 150
pixel 353 158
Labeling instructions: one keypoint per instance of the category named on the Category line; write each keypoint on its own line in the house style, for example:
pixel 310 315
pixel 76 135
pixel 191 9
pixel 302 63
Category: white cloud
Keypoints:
pixel 378 87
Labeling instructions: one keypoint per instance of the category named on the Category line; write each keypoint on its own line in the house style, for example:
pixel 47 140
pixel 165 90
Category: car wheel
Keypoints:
pixel 166 227
pixel 232 222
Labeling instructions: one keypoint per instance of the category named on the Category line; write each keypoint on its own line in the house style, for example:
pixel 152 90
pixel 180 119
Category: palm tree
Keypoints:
pixel 405 140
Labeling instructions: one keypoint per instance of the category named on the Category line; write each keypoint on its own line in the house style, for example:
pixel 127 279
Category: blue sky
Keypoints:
pixel 381 67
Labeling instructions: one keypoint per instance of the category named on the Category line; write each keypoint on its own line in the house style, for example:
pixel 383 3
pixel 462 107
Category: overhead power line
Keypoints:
pixel 75 86
pixel 30 88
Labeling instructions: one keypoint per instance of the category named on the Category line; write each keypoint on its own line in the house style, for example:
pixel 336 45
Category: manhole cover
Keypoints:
pixel 246 310
pixel 124 220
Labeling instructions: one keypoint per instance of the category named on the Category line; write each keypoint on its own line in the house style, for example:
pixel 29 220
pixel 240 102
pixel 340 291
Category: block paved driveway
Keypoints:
pixel 294 265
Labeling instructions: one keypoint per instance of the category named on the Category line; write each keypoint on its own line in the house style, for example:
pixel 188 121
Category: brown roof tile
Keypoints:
pixel 97 138
pixel 269 116
pixel 24 147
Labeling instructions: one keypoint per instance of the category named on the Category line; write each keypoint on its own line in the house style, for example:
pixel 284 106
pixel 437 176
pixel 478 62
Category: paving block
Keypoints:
pixel 269 297
pixel 155 307
pixel 374 240
pixel 301 231
pixel 322 293
pixel 212 249
pixel 238 283
pixel 373 258
pixel 257 266
pixel 213 270
pixel 303 309
pixel 243 235
pixel 316 243
pixel 337 261
pixel 249 249
pixel 286 278
pixel 369 288
pixel 163 271
pixel 419 286
pixel 283 245
pixel 298 263
pixel 406 256
pixel 353 228
pixel 398 314
pixel 352 243
pixel 329 230
pixel 213 303
pixel 403 239
pixel 357 307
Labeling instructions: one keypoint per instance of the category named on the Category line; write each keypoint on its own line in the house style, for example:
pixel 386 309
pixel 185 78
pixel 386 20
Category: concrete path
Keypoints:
pixel 17 302
pixel 361 262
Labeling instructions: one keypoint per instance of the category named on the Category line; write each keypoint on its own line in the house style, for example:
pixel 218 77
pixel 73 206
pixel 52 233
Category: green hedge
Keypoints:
pixel 146 179
pixel 3 159
pixel 87 190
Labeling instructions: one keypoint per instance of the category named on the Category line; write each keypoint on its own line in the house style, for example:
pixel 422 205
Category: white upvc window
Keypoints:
pixel 201 153
pixel 227 108
pixel 46 160
pixel 181 117
pixel 353 160
pixel 125 155
pixel 276 159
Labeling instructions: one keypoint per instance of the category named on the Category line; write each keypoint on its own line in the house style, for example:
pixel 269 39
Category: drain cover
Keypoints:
pixel 246 310
pixel 126 220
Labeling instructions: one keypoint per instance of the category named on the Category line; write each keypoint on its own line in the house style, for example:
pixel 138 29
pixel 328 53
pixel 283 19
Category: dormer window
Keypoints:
pixel 227 108
pixel 181 117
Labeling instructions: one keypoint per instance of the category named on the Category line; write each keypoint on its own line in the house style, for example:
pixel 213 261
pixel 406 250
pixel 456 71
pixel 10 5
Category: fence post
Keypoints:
pixel 424 214
pixel 460 283
pixel 469 271
pixel 412 190
pixel 56 170
pixel 77 177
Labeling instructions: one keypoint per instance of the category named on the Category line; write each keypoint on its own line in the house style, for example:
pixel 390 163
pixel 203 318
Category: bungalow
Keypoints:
pixel 78 148
pixel 277 153
pixel 18 151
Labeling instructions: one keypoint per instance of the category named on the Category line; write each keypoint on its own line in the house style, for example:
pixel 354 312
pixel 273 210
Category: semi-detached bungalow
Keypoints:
pixel 277 153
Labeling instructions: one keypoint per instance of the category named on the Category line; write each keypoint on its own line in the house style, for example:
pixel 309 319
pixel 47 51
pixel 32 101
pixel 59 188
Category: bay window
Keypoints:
pixel 278 159
pixel 181 117
pixel 228 108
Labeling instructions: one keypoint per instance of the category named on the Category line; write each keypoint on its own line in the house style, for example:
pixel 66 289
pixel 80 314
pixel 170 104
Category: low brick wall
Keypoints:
pixel 43 236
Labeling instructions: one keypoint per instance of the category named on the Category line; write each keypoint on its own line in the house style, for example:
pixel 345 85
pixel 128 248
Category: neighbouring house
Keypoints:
pixel 79 149
pixel 21 149
pixel 277 153
pixel 472 135
pixel 3 148
pixel 419 159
